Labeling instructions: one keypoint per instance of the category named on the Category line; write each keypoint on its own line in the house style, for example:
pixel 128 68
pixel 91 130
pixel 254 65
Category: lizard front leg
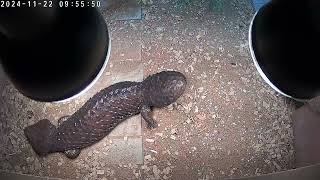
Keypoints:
pixel 146 114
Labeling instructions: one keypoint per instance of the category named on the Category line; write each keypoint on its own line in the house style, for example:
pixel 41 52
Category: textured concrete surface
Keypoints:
pixel 228 124
pixel 15 176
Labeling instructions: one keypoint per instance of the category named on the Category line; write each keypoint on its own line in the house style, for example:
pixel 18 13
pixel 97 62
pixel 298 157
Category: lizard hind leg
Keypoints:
pixel 72 153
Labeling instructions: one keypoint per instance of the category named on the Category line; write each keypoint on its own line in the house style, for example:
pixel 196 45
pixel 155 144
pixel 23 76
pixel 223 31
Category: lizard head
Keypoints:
pixel 164 88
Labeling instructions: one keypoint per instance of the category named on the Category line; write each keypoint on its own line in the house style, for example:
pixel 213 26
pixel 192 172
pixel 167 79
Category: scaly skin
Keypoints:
pixel 104 111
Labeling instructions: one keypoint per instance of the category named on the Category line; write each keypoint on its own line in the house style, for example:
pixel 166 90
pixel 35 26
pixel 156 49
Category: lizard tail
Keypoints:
pixel 39 136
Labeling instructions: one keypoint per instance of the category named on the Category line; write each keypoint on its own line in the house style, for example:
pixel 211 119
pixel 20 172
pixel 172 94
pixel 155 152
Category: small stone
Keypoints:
pixel 125 138
pixel 221 49
pixel 198 37
pixel 196 109
pixel 201 116
pixel 90 153
pixel 95 164
pixel 188 107
pixel 212 148
pixel 176 153
pixel 265 104
pixel 166 170
pixel 208 58
pixel 154 151
pixel 170 107
pixel 100 172
pixel 137 175
pixel 147 157
pixel 188 121
pixel 200 89
pixel 108 73
pixel 173 137
pixel 30 114
pixel 59 163
pixel 159 134
pixel 150 140
pixel 159 29
pixel 174 131
pixel 232 92
pixel 189 96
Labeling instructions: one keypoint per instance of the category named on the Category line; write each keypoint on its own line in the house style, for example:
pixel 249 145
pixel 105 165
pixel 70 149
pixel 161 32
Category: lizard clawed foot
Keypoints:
pixel 152 124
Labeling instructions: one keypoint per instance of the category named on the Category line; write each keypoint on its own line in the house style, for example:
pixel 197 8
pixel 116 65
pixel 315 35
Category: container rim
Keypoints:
pixel 256 64
pixel 94 80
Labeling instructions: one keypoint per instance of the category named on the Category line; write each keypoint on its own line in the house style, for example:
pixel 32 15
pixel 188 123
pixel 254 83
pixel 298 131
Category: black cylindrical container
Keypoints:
pixel 53 54
pixel 284 39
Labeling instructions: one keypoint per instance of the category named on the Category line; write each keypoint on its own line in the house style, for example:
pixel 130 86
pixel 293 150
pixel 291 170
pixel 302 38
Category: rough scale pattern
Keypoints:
pixel 104 111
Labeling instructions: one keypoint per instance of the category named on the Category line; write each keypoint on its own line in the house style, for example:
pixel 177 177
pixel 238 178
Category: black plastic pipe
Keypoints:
pixel 52 54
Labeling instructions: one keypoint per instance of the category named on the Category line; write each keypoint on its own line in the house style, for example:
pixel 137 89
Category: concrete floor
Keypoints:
pixel 229 123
